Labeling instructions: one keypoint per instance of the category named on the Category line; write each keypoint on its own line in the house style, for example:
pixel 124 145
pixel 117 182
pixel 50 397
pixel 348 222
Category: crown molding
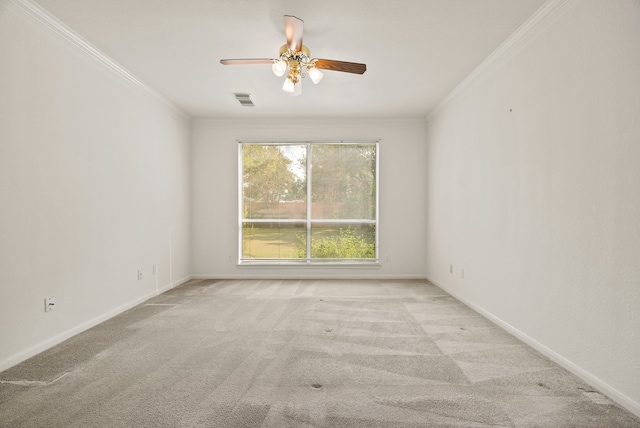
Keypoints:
pixel 544 17
pixel 307 123
pixel 34 13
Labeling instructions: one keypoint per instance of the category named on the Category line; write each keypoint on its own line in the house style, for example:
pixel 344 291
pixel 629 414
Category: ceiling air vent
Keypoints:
pixel 244 99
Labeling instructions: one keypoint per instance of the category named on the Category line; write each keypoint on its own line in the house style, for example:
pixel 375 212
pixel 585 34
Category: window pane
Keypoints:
pixel 274 240
pixel 343 181
pixel 274 181
pixel 343 240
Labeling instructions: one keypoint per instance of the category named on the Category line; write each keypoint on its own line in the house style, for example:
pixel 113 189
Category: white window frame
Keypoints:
pixel 308 261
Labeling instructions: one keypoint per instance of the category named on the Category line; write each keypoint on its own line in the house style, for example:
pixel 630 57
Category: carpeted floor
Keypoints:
pixel 305 353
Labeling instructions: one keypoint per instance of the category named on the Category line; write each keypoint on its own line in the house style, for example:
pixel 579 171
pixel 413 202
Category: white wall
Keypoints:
pixel 94 185
pixel 215 194
pixel 534 190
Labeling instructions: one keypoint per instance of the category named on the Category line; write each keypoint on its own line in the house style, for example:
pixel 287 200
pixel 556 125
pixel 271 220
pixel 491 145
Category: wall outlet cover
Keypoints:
pixel 49 303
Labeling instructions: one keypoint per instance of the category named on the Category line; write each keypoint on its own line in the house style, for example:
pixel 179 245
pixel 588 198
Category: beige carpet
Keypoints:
pixel 299 354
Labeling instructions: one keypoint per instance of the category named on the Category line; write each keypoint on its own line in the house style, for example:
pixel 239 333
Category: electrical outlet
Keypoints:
pixel 229 259
pixel 139 274
pixel 450 268
pixel 387 258
pixel 155 269
pixel 49 303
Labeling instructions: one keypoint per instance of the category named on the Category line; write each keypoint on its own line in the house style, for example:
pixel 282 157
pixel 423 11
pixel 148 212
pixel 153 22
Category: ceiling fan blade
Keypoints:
pixel 247 61
pixel 293 28
pixel 348 67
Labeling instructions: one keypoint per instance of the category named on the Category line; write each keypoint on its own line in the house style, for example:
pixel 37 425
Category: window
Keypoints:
pixel 303 203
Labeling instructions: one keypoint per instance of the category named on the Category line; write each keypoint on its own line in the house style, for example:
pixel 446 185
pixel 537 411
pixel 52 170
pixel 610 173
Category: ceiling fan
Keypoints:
pixel 296 58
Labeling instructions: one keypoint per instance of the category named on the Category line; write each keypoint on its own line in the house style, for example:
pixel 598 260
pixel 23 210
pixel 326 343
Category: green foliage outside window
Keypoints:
pixel 346 244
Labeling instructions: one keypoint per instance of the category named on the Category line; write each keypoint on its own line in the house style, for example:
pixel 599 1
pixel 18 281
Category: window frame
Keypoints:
pixel 308 220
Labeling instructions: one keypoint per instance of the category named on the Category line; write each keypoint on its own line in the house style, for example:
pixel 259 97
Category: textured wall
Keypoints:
pixel 534 190
pixel 93 186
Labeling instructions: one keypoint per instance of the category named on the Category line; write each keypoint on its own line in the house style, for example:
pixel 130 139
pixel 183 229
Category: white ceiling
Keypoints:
pixel 416 51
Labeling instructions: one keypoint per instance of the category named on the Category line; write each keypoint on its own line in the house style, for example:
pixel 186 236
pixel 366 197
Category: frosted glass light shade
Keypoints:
pixel 279 68
pixel 288 86
pixel 315 75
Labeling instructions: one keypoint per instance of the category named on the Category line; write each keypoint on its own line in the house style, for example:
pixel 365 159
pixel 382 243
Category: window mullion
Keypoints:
pixel 309 202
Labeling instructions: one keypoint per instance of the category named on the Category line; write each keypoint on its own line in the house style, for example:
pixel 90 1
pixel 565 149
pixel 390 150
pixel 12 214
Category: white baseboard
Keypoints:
pixel 306 276
pixel 180 281
pixel 59 338
pixel 164 289
pixel 606 389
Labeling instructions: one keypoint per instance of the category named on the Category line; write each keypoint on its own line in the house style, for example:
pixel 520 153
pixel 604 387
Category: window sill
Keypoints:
pixel 308 265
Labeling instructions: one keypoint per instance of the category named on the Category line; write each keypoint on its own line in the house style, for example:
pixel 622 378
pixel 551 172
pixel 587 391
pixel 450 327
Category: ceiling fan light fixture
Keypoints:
pixel 288 86
pixel 294 60
pixel 315 74
pixel 279 67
